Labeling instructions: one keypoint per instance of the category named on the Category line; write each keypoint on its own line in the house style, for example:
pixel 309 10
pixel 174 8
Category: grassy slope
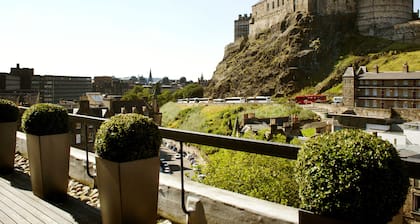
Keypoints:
pixel 368 51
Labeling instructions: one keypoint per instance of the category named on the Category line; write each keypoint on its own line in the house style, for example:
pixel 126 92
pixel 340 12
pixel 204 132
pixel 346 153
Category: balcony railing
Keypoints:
pixel 81 124
pixel 84 128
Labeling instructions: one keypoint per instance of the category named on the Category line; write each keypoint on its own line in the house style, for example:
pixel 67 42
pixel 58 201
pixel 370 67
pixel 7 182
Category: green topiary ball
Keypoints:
pixel 351 175
pixel 9 112
pixel 128 137
pixel 45 119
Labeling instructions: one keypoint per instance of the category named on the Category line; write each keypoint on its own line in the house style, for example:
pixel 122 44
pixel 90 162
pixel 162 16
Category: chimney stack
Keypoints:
pixel 405 67
pixel 376 68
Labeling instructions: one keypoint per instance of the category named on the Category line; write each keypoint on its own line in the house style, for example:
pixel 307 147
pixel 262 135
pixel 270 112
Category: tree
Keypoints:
pixel 189 91
pixel 137 93
pixel 183 80
pixel 165 81
pixel 265 177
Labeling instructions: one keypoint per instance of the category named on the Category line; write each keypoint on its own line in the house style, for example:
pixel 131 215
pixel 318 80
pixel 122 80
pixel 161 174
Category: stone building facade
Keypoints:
pixel 242 26
pixel 386 90
pixel 382 18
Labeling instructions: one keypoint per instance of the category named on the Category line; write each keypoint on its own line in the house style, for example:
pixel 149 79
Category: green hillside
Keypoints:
pixel 264 177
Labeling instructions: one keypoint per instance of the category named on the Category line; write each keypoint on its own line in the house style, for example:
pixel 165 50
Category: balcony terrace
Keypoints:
pixel 216 205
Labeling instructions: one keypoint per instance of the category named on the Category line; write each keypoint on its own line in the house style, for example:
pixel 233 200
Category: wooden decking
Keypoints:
pixel 19 205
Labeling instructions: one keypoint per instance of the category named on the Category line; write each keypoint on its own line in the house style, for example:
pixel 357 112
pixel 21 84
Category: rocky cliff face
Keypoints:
pixel 299 52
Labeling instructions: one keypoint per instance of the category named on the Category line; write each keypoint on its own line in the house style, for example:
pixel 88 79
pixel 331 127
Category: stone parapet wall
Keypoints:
pixel 407 32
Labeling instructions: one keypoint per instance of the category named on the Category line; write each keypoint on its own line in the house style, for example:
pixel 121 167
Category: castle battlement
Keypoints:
pixel 372 17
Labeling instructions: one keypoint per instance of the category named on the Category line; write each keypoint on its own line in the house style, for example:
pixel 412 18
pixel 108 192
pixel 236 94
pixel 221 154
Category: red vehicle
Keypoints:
pixel 308 99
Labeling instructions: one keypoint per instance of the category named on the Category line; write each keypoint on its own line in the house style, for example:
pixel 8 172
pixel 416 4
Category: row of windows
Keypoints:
pixel 389 83
pixel 395 104
pixel 273 4
pixel 404 93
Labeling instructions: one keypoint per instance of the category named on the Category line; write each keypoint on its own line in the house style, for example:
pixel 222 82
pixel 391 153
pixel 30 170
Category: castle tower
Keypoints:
pixel 349 87
pixel 378 16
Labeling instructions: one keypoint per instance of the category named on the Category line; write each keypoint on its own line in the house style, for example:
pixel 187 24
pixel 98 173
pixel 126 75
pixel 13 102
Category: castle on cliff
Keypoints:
pixel 390 19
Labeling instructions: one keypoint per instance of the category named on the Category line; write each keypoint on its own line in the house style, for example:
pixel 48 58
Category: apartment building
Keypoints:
pixel 362 88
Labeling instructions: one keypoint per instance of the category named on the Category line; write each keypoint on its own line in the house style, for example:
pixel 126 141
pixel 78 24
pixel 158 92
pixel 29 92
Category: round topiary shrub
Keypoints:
pixel 9 112
pixel 127 137
pixel 351 175
pixel 45 119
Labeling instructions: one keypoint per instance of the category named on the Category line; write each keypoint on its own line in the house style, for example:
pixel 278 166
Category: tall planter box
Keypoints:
pixel 7 146
pixel 128 191
pixel 49 164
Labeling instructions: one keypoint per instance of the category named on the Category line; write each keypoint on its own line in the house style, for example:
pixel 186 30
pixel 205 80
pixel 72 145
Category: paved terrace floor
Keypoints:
pixel 19 205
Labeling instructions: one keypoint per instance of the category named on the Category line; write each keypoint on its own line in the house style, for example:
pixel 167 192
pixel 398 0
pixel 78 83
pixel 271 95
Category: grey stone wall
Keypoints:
pixel 383 18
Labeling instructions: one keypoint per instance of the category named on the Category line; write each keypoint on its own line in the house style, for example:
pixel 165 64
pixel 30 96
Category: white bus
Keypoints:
pixel 259 99
pixel 235 100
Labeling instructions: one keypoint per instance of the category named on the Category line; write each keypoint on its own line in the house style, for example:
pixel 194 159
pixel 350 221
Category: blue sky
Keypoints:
pixel 118 37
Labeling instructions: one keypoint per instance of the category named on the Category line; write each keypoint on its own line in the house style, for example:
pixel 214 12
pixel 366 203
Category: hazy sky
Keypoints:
pixel 118 37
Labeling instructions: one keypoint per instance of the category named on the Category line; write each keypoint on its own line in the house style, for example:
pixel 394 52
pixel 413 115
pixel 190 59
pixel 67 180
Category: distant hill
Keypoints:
pixel 303 52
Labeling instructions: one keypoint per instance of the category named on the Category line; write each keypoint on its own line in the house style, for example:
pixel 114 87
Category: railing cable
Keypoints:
pixel 182 179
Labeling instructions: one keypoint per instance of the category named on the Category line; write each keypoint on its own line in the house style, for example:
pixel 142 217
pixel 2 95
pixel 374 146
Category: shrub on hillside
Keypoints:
pixel 351 175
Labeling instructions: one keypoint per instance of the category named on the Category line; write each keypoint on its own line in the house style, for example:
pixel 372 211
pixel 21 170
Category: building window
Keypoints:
pixel 405 93
pixel 416 203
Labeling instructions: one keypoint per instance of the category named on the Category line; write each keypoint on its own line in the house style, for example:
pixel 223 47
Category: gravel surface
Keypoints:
pixel 76 190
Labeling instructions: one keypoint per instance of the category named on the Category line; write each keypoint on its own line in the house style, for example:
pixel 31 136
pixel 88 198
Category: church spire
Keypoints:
pixel 150 77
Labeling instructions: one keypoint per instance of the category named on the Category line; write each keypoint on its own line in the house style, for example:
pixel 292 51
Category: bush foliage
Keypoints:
pixel 127 137
pixel 45 119
pixel 351 175
pixel 9 112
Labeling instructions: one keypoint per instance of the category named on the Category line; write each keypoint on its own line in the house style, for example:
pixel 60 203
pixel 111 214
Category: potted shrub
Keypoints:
pixel 48 144
pixel 127 163
pixel 353 176
pixel 9 114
